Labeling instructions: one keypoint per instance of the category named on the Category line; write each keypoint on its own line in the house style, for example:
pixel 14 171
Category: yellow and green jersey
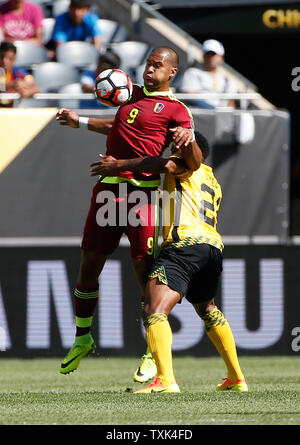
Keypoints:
pixel 190 207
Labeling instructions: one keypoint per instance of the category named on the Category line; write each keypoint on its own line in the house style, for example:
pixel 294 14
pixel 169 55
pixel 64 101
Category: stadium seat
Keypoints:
pixel 29 54
pixel 112 31
pixel 131 53
pixel 48 25
pixel 78 54
pixel 40 2
pixel 51 76
pixel 108 28
pixel 73 88
pixel 121 34
pixel 46 6
pixel 59 7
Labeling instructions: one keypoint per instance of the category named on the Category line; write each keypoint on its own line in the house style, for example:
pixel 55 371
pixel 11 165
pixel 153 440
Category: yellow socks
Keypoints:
pixel 219 332
pixel 159 339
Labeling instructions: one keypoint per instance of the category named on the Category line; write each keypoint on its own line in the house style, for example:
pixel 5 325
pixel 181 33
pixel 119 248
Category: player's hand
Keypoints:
pixel 107 166
pixel 68 117
pixel 182 137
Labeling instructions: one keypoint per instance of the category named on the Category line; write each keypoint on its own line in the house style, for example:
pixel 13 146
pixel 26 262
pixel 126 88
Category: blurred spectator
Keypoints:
pixel 209 79
pixel 78 23
pixel 21 20
pixel 16 80
pixel 108 60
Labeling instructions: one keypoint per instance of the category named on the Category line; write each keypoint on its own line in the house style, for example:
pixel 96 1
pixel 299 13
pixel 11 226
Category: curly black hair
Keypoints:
pixel 7 46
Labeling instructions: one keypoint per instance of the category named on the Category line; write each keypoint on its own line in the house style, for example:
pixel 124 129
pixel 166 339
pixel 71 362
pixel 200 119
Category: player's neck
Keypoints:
pixel 157 90
pixel 165 88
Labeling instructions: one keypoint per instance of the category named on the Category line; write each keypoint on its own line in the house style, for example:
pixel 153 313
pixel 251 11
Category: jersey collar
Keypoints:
pixel 157 93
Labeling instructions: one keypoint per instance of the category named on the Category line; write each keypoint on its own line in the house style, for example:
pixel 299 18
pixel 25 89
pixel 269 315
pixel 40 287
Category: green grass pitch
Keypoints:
pixel 33 392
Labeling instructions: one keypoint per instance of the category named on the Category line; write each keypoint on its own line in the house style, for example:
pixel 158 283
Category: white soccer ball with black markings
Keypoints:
pixel 113 87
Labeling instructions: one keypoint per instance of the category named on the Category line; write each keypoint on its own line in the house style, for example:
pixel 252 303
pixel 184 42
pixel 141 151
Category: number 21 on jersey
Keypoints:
pixel 206 205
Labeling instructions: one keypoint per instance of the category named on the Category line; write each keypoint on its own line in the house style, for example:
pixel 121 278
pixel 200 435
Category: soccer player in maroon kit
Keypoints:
pixel 144 126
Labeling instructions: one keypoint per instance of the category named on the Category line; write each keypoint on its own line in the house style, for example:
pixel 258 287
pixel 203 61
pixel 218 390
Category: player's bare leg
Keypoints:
pixel 219 332
pixel 147 368
pixel 142 268
pixel 86 298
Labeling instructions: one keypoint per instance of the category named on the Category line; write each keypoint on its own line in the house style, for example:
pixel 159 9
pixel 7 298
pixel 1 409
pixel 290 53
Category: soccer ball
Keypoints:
pixel 113 87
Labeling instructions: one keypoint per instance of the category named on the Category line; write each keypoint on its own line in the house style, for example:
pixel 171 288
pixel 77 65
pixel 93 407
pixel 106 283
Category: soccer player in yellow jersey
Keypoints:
pixel 190 261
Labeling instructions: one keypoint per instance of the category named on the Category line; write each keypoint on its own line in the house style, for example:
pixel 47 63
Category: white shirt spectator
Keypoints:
pixel 201 81
pixel 209 78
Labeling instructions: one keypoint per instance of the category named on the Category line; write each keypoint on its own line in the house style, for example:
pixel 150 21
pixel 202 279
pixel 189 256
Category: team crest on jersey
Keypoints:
pixel 158 107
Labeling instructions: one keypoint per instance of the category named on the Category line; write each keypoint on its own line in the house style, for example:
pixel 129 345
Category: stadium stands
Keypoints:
pixel 118 35
pixel 61 74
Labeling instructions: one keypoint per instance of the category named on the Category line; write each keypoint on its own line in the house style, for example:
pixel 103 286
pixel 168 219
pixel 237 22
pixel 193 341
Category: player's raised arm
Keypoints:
pixel 186 144
pixel 71 119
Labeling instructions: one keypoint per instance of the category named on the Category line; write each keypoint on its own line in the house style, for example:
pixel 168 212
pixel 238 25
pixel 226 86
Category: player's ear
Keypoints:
pixel 174 71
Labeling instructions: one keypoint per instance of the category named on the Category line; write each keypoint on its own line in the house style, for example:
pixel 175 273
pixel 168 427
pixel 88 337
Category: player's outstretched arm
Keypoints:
pixel 101 126
pixel 109 166
pixel 71 119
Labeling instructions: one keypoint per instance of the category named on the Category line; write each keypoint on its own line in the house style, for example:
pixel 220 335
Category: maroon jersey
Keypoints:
pixel 141 126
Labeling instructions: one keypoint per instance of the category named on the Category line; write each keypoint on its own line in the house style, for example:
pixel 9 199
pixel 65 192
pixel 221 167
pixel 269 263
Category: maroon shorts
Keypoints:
pixel 118 209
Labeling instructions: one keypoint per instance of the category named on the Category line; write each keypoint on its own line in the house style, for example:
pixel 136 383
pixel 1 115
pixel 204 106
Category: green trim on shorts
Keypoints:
pixel 192 240
pixel 160 274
